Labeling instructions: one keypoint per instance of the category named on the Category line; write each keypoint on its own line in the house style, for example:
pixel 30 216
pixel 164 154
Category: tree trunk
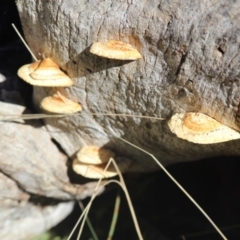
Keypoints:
pixel 190 63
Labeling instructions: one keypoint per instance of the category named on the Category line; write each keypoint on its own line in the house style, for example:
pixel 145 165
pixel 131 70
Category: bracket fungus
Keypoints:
pixel 200 128
pixel 59 104
pixel 94 155
pixel 115 50
pixel 44 73
pixel 91 161
pixel 97 171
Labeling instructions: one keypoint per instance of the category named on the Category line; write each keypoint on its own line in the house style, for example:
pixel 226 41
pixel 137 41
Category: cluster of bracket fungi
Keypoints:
pixel 91 161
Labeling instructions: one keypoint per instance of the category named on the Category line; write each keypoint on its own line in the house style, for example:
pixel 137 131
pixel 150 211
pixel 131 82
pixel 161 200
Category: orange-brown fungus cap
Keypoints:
pixel 97 171
pixel 44 73
pixel 200 128
pixel 115 50
pixel 94 155
pixel 60 104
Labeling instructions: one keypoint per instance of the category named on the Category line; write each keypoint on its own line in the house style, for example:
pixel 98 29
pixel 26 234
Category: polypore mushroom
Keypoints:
pixel 200 128
pixel 44 73
pixel 94 155
pixel 97 171
pixel 115 50
pixel 59 104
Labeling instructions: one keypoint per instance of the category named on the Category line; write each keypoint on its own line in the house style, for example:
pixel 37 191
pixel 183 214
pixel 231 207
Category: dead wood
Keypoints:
pixel 190 63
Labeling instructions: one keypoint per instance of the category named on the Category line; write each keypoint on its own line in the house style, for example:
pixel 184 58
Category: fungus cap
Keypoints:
pixel 44 73
pixel 200 128
pixel 59 104
pixel 115 50
pixel 97 171
pixel 94 155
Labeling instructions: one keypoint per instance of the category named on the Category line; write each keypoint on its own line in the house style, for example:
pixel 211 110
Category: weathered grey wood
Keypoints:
pixel 190 63
pixel 21 219
pixel 29 157
pixel 10 193
pixel 32 165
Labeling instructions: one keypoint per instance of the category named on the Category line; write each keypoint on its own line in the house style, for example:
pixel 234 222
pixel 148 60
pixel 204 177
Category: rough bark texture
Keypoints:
pixel 190 63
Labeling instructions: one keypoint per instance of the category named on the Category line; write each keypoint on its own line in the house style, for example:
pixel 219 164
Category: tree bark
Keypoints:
pixel 190 64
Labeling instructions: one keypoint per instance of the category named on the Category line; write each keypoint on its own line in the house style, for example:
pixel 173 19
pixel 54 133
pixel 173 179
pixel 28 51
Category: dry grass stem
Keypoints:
pixel 121 183
pixel 9 118
pixel 41 116
pixel 25 44
pixel 115 217
pixel 178 185
pixel 94 235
